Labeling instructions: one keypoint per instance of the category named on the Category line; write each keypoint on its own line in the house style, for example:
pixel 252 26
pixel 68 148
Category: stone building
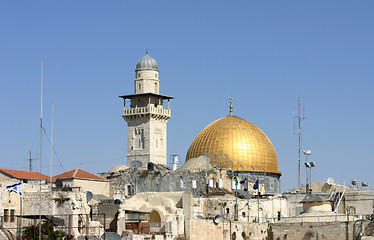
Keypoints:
pixel 86 181
pixel 146 116
pixel 66 210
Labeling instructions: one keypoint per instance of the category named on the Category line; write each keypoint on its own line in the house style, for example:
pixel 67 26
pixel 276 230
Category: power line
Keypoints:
pixel 58 158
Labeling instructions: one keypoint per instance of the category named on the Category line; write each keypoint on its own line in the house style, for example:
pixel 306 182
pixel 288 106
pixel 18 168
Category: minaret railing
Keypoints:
pixel 146 110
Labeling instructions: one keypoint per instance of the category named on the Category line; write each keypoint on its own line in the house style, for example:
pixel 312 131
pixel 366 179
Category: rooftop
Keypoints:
pixel 20 174
pixel 79 173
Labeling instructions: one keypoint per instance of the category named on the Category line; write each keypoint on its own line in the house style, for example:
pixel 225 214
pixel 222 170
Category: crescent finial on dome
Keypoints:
pixel 231 107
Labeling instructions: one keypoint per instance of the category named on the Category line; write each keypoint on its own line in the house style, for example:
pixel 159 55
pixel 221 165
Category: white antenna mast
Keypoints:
pixel 50 178
pixel 41 150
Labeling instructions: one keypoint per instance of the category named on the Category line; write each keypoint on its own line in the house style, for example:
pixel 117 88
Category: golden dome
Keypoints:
pixel 242 141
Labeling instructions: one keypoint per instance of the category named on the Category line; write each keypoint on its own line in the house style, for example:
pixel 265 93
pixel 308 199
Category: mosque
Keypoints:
pixel 230 143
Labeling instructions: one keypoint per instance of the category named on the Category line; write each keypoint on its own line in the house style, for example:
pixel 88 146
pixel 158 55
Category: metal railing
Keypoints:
pixel 146 110
pixel 147 228
pixel 63 226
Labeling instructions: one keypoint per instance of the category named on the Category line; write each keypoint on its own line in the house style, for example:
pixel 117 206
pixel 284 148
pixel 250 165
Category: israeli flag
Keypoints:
pixel 255 186
pixel 244 182
pixel 15 188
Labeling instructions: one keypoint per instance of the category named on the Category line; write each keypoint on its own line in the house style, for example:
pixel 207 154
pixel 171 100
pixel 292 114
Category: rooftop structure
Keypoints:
pixel 24 176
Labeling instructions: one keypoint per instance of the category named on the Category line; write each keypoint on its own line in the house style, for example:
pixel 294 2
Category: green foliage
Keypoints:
pixel 58 235
pixel 32 233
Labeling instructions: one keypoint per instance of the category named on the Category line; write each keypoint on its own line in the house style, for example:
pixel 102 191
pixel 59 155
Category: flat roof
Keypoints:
pixel 145 94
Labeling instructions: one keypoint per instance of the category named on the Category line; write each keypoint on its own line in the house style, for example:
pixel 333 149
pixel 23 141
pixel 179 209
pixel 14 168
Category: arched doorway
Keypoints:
pixel 155 221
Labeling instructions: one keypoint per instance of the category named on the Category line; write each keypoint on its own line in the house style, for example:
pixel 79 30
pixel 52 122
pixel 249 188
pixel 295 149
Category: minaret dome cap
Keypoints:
pixel 147 63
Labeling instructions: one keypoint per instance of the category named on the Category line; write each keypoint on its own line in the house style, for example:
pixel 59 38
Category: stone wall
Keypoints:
pixel 311 231
pixel 207 230
pixel 142 180
pixel 361 201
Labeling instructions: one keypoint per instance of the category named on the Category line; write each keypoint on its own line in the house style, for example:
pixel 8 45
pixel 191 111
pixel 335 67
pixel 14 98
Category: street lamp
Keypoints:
pixel 309 166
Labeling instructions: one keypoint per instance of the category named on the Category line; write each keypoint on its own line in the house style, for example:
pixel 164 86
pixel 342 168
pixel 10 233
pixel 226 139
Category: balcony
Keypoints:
pixel 157 112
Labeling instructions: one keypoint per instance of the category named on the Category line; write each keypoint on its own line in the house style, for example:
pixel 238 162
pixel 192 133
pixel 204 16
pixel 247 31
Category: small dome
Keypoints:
pixel 197 164
pixel 147 63
pixel 118 168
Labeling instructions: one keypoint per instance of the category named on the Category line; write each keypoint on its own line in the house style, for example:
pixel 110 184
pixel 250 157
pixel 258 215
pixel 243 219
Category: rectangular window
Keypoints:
pixel 6 213
pixel 12 215
pixel 129 190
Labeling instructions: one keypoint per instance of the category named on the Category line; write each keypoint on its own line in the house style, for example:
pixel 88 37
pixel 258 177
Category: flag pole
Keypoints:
pixel 20 233
pixel 258 204
pixel 248 197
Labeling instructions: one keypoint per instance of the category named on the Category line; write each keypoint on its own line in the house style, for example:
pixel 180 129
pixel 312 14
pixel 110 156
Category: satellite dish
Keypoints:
pixel 136 164
pixel 89 196
pixel 330 181
pixel 354 182
pixel 111 236
pixel 217 219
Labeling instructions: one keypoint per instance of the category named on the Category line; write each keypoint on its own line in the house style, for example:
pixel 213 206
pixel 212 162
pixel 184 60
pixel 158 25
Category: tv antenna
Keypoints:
pixel 299 119
pixel 30 160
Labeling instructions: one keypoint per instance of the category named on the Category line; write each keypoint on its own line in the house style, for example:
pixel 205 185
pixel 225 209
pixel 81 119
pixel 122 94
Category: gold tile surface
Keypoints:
pixel 242 141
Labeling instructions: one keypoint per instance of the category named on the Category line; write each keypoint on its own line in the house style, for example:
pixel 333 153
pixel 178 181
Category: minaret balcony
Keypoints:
pixel 158 112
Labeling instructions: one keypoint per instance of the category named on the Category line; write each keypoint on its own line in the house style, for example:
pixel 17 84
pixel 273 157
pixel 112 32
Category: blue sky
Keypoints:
pixel 264 53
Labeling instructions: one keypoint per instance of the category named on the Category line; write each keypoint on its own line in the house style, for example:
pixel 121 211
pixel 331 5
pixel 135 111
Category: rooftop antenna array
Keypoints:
pixel 30 160
pixel 299 119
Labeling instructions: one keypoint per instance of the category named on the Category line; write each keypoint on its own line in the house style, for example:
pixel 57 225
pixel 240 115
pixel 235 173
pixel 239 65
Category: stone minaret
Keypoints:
pixel 146 116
